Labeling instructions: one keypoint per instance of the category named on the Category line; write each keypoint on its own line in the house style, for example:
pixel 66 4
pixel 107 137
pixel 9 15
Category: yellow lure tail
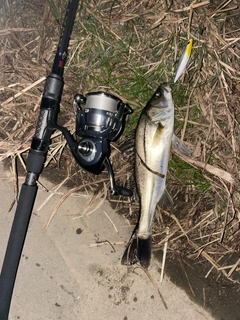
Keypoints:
pixel 183 60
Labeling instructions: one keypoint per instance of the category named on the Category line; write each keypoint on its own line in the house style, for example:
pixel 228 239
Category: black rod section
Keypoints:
pixel 61 56
pixel 15 246
pixel 49 109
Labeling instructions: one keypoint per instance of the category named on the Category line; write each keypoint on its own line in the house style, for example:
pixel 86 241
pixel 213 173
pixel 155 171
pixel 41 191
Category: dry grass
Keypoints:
pixel 128 48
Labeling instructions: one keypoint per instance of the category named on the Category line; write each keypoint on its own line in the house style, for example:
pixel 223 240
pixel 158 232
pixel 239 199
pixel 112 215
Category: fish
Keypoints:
pixel 183 61
pixel 153 139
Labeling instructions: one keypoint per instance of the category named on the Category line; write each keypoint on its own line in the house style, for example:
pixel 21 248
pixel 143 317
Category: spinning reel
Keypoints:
pixel 100 119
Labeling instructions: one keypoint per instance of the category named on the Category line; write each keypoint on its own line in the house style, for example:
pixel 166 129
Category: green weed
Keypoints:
pixel 188 175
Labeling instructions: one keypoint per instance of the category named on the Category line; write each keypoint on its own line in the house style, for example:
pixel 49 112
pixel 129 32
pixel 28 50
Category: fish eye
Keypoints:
pixel 158 94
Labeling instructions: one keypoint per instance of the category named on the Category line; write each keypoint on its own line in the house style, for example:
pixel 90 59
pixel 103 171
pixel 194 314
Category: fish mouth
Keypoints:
pixel 165 88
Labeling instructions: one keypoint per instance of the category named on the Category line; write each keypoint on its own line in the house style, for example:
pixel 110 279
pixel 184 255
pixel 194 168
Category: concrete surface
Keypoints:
pixel 63 274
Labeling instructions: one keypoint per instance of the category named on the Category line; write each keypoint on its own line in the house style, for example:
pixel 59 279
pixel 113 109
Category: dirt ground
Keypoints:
pixel 72 269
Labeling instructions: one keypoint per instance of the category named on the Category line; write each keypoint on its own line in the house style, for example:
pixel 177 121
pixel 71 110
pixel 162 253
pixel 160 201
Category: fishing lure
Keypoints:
pixel 183 60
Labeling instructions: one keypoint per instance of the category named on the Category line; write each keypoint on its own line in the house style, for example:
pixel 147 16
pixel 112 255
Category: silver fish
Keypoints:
pixel 154 135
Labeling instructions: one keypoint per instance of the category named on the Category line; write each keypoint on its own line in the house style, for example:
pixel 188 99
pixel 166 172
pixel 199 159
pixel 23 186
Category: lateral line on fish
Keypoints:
pixel 149 169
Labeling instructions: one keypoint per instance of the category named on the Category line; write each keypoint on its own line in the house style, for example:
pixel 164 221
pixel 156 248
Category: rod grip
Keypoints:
pixel 15 246
pixel 53 87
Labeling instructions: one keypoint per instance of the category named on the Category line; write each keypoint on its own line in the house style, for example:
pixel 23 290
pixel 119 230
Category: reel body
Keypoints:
pixel 100 119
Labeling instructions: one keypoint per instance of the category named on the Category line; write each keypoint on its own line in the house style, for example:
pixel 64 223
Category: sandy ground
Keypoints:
pixel 63 274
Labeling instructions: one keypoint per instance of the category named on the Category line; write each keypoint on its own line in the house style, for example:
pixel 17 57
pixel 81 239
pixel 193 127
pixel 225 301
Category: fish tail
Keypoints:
pixel 137 250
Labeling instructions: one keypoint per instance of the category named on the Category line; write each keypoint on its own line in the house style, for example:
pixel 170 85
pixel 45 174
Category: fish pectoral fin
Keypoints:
pixel 166 199
pixel 179 146
pixel 158 135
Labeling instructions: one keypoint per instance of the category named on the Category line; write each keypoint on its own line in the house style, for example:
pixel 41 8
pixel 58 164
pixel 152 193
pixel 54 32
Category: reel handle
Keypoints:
pixel 116 190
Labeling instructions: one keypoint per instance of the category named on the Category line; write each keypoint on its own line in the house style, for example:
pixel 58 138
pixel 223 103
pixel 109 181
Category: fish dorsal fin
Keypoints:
pixel 179 146
pixel 166 199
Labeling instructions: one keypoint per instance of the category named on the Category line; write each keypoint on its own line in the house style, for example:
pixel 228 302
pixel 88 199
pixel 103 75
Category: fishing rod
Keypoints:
pixel 49 110
pixel 100 119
